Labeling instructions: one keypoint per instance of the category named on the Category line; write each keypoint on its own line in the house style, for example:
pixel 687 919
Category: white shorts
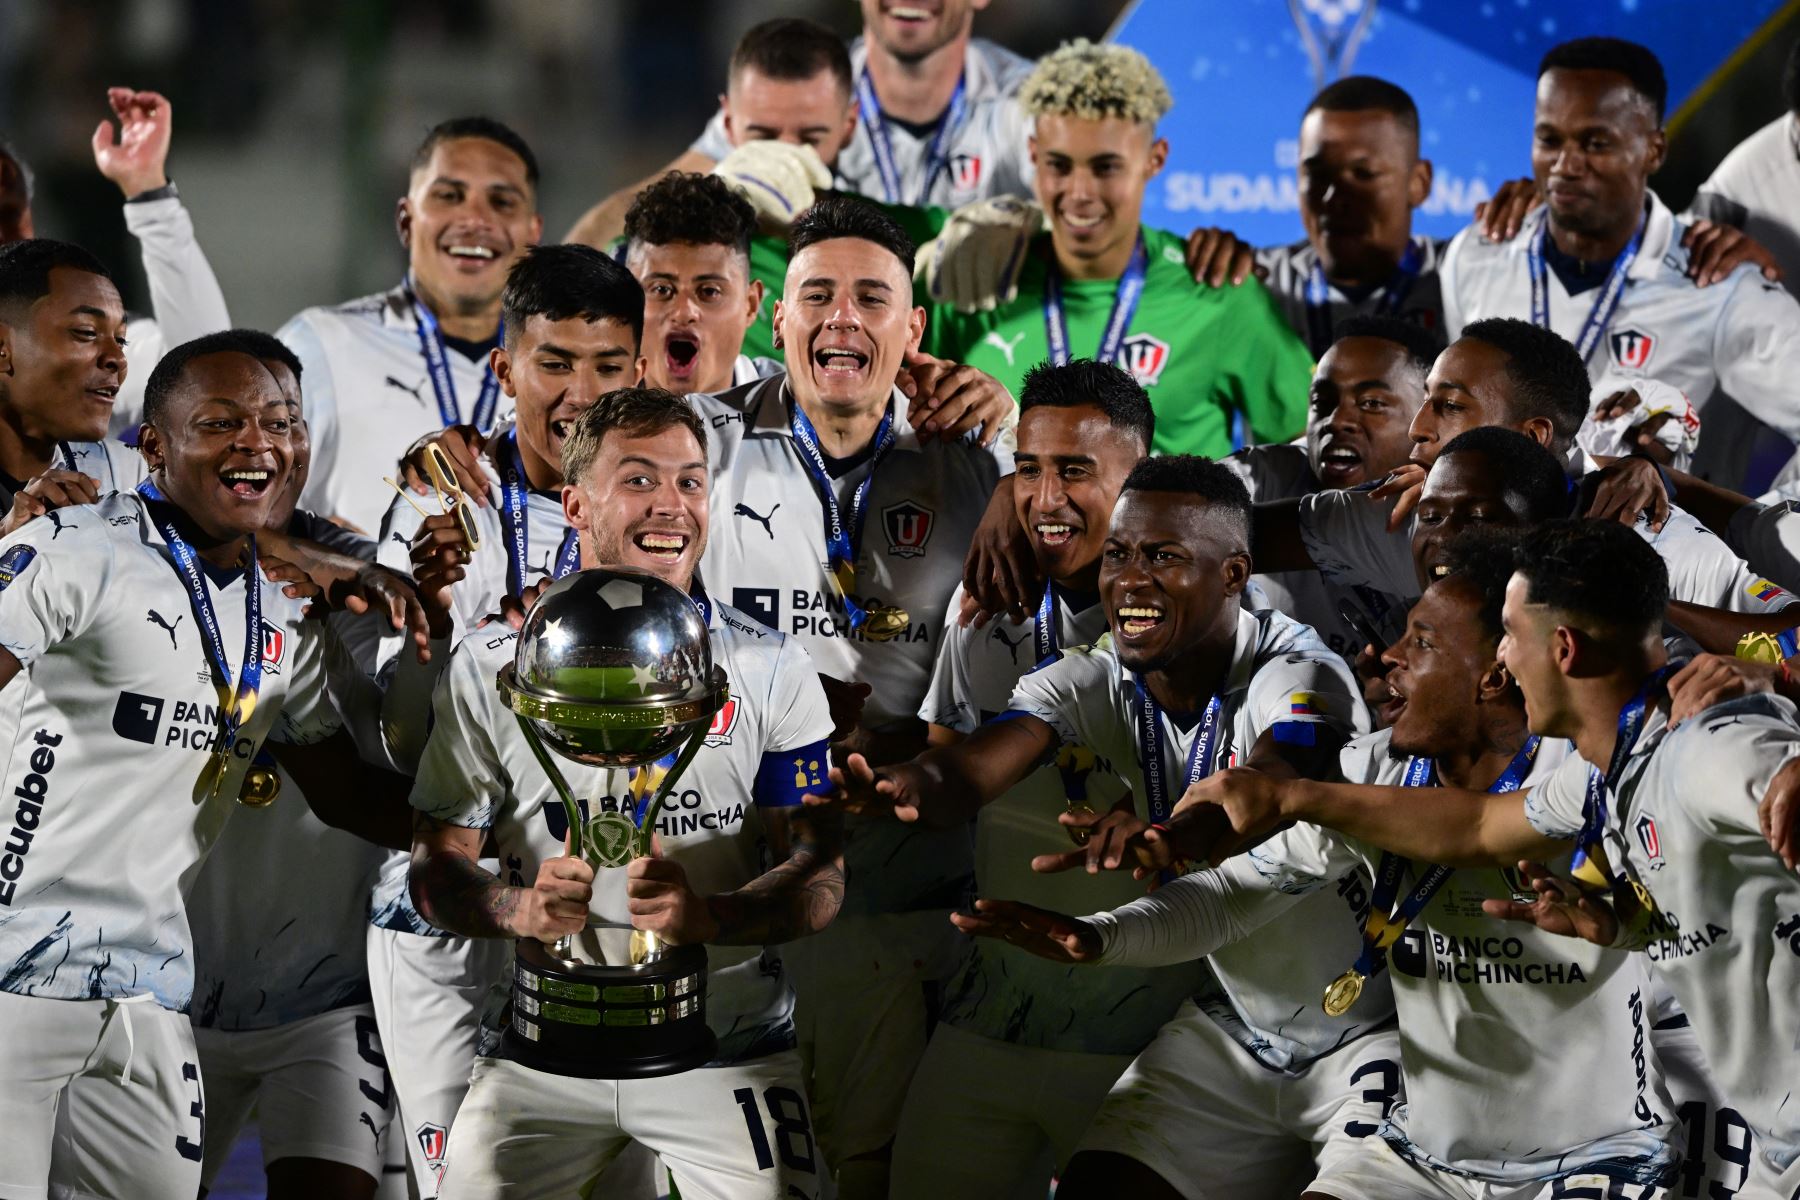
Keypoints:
pixel 1719 1158
pixel 990 1120
pixel 1198 1110
pixel 741 1132
pixel 859 1013
pixel 98 1098
pixel 1376 1171
pixel 428 994
pixel 319 1087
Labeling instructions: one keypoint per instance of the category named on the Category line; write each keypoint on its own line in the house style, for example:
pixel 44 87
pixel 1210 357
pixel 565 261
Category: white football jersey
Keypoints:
pixel 367 396
pixel 112 722
pixel 989 153
pixel 1741 335
pixel 1265 994
pixel 1413 295
pixel 1756 188
pixel 112 464
pixel 766 555
pixel 1347 535
pixel 1001 991
pixel 1683 823
pixel 1283 472
pixel 1471 990
pixel 479 772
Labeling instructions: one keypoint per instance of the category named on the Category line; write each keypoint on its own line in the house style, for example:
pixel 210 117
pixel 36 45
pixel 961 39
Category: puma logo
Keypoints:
pixel 744 510
pixel 1011 645
pixel 397 536
pixel 1003 345
pixel 55 519
pixel 416 391
pixel 366 1119
pixel 157 619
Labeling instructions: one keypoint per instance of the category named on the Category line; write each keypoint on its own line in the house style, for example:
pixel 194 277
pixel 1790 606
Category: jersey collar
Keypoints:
pixel 1660 232
pixel 1243 655
pixel 768 405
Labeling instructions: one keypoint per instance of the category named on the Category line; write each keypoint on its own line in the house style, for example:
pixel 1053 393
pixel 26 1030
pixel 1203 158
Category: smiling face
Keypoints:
pixel 1170 577
pixel 911 29
pixel 1467 388
pixel 555 370
pixel 642 503
pixel 1463 490
pixel 1364 396
pixel 1070 465
pixel 222 448
pixel 1360 179
pixel 65 358
pixel 1091 177
pixel 468 213
pixel 846 323
pixel 1594 145
pixel 816 111
pixel 699 301
pixel 1435 672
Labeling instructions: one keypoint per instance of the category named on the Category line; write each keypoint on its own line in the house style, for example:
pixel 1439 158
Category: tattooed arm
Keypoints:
pixel 798 896
pixel 455 893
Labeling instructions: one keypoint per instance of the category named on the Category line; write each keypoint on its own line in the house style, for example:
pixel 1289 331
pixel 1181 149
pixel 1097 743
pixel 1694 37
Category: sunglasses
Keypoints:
pixel 450 495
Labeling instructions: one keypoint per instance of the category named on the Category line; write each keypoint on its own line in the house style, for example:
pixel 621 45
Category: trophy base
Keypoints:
pixel 608 1022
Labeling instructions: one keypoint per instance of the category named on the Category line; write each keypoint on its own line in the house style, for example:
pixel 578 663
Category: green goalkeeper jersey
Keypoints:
pixel 1205 355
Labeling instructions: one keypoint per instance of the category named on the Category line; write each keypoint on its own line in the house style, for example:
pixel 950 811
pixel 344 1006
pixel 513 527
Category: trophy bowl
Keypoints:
pixel 614 668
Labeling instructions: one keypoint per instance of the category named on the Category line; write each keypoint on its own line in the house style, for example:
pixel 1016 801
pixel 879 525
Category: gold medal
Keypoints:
pixel 212 775
pixel 1078 834
pixel 885 623
pixel 1343 992
pixel 260 788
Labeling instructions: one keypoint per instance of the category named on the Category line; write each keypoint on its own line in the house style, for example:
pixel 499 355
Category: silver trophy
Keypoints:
pixel 613 669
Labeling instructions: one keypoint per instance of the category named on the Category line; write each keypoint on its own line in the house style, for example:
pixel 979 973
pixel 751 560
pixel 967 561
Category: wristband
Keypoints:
pixel 165 192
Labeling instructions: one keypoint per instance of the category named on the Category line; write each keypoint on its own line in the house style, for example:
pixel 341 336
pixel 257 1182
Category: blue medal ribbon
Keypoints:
pixel 1605 304
pixel 236 704
pixel 937 154
pixel 515 516
pixel 1152 750
pixel 1046 623
pixel 1385 923
pixel 1124 307
pixel 1319 325
pixel 843 533
pixel 1599 786
pixel 437 366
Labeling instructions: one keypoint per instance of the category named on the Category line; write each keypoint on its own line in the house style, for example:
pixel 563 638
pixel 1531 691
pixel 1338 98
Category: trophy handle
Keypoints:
pixel 565 945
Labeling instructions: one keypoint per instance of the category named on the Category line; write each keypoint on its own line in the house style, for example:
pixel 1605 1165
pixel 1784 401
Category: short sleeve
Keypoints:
pixel 1294 691
pixel 1756 344
pixel 1723 761
pixel 1704 571
pixel 798 710
pixel 1346 535
pixel 1300 860
pixel 1062 693
pixel 946 700
pixel 45 597
pixel 460 779
pixel 1768 536
pixel 1556 806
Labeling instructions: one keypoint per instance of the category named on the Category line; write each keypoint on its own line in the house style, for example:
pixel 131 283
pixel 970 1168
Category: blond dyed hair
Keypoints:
pixel 1093 81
